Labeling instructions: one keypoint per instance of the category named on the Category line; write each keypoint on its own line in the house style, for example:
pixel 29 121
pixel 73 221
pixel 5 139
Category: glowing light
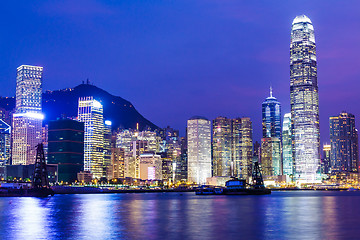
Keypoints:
pixel 108 122
pixel 30 115
pixel 97 104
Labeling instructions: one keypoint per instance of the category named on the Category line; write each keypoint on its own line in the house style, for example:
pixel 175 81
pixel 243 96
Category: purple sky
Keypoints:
pixel 176 59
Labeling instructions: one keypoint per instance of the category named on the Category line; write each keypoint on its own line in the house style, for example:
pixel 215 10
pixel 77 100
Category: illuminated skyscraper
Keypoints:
pixel 287 145
pixel 27 119
pixel 271 117
pixel 199 149
pixel 243 167
pixel 304 100
pixel 90 112
pixel 5 133
pixel 107 167
pixel 344 155
pixel 271 143
pixel 221 147
pixel 270 156
pixel 325 160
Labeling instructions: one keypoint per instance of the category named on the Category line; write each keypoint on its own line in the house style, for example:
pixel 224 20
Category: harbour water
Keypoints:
pixel 281 215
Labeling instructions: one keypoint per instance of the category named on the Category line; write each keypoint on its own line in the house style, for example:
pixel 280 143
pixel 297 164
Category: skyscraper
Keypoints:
pixel 304 100
pixel 27 119
pixel 271 117
pixel 344 154
pixel 66 148
pixel 270 158
pixel 243 168
pixel 287 145
pixel 199 149
pixel 90 112
pixel 325 161
pixel 221 147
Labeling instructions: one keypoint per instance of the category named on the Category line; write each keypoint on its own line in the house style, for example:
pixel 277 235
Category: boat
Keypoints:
pixel 237 186
pixel 39 186
pixel 205 190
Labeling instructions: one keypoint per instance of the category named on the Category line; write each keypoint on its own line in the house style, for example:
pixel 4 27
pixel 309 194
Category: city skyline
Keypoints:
pixel 241 54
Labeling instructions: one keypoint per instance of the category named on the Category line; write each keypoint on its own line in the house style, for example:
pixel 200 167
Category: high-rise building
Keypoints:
pixel 325 160
pixel 27 119
pixel 66 148
pixel 271 117
pixel 221 147
pixel 5 134
pixel 304 99
pixel 5 139
pixel 344 155
pixel 150 166
pixel 117 160
pixel 107 167
pixel 181 167
pixel 243 169
pixel 271 141
pixel 270 158
pixel 228 156
pixel 287 152
pixel 199 149
pixel 90 112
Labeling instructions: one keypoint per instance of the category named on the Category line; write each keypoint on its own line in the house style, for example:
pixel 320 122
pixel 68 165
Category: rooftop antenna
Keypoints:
pixel 87 81
pixel 271 91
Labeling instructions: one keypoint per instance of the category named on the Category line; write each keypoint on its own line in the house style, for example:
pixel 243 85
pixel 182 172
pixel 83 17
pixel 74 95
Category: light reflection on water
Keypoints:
pixel 282 215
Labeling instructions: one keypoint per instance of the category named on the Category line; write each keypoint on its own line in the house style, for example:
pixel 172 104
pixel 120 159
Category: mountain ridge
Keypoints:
pixel 59 103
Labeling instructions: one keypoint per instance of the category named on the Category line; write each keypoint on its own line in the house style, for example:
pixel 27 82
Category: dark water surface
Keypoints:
pixel 281 215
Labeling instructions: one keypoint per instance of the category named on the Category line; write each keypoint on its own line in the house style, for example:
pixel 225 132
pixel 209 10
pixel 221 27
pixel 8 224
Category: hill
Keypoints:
pixel 65 102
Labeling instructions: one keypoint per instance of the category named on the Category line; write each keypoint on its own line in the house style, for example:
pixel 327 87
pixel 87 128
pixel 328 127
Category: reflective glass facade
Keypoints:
pixel 287 145
pixel 271 117
pixel 270 156
pixel 90 112
pixel 199 149
pixel 344 155
pixel 304 100
pixel 27 119
pixel 243 168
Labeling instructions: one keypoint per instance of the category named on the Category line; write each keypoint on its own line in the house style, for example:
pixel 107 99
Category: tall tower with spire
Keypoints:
pixel 271 117
pixel 304 99
pixel 270 157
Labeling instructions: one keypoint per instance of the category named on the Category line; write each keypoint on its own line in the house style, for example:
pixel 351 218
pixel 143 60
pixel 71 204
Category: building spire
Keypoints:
pixel 271 91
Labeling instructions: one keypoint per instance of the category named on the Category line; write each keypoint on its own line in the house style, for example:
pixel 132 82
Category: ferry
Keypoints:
pixel 237 186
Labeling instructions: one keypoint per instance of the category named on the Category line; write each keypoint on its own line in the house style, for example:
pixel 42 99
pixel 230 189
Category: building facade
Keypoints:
pixel 325 160
pixel 271 117
pixel 344 155
pixel 199 149
pixel 270 158
pixel 27 119
pixel 90 112
pixel 243 167
pixel 66 148
pixel 304 100
pixel 287 152
pixel 150 166
pixel 221 147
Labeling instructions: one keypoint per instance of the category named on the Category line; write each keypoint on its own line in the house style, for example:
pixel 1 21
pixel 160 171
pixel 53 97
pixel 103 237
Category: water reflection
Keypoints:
pixel 283 215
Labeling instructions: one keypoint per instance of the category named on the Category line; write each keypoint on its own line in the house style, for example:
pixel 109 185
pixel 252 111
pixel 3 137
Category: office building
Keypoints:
pixel 271 117
pixel 150 166
pixel 66 148
pixel 199 149
pixel 304 100
pixel 326 160
pixel 243 167
pixel 90 112
pixel 344 155
pixel 287 152
pixel 27 119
